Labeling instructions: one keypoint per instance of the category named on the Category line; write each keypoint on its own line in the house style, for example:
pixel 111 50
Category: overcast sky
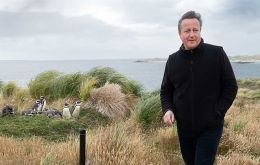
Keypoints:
pixel 119 29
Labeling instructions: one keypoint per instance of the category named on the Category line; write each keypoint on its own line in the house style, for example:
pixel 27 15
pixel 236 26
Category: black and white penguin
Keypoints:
pixel 43 103
pixel 36 107
pixel 66 111
pixel 34 110
pixel 76 110
pixel 52 113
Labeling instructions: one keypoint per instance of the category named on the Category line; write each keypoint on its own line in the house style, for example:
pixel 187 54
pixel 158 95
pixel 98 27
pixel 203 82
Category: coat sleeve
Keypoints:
pixel 166 92
pixel 229 85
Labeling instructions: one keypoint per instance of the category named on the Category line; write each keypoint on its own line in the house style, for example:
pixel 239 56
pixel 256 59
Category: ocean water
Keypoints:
pixel 148 74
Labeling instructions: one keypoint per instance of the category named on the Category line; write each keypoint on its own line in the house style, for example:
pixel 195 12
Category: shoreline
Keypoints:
pixel 160 60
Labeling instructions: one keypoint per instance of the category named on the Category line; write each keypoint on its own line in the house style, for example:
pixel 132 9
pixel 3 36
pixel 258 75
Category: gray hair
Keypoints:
pixel 189 15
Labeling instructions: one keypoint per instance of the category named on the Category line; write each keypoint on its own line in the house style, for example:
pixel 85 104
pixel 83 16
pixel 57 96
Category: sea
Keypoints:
pixel 149 74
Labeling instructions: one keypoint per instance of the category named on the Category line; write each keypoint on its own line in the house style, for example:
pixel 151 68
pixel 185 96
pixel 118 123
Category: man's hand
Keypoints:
pixel 168 118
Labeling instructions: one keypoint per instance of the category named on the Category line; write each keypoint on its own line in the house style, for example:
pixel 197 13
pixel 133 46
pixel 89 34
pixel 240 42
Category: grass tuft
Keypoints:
pixel 42 84
pixel 148 112
pixel 9 89
pixel 108 75
pixel 110 101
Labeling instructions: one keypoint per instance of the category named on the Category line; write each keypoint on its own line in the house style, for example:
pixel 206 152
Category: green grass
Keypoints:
pixel 55 85
pixel 86 87
pixel 9 89
pixel 148 111
pixel 109 75
pixel 239 126
pixel 249 83
pixel 23 126
pixel 67 86
pixel 42 84
pixel 47 128
pixel 91 119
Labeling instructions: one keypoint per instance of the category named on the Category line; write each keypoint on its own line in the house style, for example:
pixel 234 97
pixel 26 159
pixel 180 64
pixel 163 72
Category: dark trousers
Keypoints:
pixel 199 148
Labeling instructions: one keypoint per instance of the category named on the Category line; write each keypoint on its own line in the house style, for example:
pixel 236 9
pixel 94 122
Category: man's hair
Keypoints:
pixel 189 15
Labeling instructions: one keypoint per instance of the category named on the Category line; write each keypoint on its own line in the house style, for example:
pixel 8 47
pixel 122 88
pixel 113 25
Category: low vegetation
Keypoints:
pixel 123 123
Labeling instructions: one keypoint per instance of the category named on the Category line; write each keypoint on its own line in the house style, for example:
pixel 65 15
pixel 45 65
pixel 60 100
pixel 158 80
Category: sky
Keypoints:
pixel 121 29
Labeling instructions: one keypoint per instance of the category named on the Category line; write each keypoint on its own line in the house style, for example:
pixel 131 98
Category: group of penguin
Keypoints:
pixel 67 114
pixel 39 107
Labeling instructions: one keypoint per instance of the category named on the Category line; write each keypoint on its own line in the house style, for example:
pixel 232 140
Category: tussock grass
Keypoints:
pixel 241 135
pixel 9 89
pixel 148 112
pixel 42 84
pixel 115 145
pixel 165 139
pixel 103 74
pixel 21 95
pixel 139 139
pixel 110 101
pixel 91 119
pixel 108 75
pixel 34 150
pixel 68 86
pixel 86 87
pixel 54 85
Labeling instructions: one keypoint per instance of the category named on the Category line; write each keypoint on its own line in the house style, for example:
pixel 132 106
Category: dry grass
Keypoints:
pixel 124 142
pixel 36 151
pixel 118 145
pixel 240 143
pixel 237 159
pixel 110 101
pixel 166 141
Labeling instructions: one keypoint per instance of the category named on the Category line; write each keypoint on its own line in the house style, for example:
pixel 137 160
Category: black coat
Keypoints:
pixel 199 86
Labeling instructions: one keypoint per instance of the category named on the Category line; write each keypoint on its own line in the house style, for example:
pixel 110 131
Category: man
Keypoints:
pixel 198 88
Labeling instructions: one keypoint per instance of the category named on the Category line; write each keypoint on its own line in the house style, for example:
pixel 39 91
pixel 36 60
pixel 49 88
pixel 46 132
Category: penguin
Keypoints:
pixel 53 113
pixel 76 110
pixel 36 107
pixel 66 111
pixel 43 103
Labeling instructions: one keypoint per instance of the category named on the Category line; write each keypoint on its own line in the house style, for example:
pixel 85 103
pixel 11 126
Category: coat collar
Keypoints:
pixel 196 50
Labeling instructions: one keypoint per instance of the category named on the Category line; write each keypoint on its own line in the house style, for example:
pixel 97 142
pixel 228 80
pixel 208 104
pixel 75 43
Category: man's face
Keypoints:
pixel 190 33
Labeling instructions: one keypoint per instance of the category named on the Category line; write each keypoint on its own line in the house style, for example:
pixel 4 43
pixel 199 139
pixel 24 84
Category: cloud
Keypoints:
pixel 87 29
